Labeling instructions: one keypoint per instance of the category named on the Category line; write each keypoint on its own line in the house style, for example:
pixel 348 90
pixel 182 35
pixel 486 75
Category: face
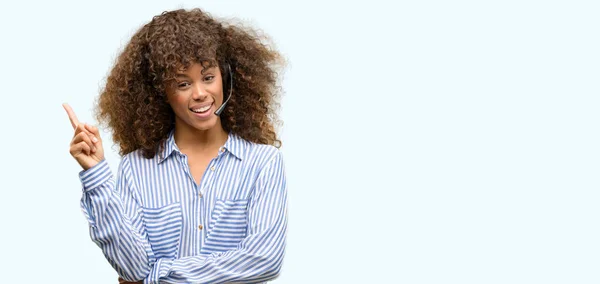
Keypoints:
pixel 195 96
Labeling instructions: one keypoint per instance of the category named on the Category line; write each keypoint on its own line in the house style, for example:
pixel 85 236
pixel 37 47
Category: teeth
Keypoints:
pixel 202 109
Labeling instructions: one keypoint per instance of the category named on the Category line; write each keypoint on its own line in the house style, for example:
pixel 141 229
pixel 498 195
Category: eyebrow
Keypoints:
pixel 208 69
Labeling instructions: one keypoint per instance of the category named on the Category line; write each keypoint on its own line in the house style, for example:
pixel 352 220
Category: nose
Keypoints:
pixel 199 93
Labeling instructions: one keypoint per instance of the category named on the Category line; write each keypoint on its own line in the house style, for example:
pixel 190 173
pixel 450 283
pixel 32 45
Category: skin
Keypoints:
pixel 86 145
pixel 198 138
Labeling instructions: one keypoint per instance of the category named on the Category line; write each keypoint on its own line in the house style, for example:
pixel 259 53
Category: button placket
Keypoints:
pixel 199 207
pixel 207 180
pixel 201 231
pixel 212 166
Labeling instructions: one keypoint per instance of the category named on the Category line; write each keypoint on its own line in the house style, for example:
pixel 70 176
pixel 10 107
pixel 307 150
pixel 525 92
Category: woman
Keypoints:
pixel 200 194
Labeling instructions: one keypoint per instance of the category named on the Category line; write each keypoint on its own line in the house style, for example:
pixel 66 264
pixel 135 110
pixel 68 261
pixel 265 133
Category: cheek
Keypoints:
pixel 178 105
pixel 218 91
pixel 181 101
pixel 178 101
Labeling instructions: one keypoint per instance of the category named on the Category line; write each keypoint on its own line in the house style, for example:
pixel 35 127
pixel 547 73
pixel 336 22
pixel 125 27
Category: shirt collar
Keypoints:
pixel 234 145
pixel 169 147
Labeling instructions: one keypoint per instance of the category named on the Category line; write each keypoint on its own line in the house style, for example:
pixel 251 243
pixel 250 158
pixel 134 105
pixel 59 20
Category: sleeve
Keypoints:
pixel 114 215
pixel 258 257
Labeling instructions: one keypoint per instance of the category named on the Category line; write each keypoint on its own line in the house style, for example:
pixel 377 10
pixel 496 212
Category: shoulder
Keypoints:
pixel 133 156
pixel 259 155
pixel 136 159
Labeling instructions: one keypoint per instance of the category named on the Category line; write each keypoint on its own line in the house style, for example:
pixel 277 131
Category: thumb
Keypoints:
pixel 94 131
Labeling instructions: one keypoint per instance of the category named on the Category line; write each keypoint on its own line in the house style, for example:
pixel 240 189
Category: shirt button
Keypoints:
pixel 200 195
pixel 200 227
pixel 212 168
pixel 222 149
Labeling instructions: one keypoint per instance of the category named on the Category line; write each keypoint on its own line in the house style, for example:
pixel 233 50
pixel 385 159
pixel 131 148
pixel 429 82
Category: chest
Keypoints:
pixel 203 219
pixel 194 181
pixel 198 166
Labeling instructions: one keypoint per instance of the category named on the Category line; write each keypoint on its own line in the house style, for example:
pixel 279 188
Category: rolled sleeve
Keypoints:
pixel 95 176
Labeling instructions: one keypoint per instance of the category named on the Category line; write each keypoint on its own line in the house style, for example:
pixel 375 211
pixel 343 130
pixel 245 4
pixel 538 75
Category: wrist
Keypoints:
pixel 87 166
pixel 161 269
pixel 95 175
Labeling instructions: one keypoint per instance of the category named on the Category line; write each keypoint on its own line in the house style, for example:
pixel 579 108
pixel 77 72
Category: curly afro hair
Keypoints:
pixel 133 103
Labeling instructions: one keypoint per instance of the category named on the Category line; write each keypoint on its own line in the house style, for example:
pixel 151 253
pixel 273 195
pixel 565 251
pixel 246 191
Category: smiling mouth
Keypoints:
pixel 201 109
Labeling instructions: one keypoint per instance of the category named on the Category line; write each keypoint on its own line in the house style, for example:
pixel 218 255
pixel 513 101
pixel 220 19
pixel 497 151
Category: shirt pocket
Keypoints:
pixel 227 227
pixel 164 226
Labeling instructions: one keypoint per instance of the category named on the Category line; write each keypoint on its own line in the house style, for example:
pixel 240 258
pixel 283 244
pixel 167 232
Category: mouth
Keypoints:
pixel 201 109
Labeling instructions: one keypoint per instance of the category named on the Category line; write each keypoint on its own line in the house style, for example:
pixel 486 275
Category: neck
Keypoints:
pixel 190 140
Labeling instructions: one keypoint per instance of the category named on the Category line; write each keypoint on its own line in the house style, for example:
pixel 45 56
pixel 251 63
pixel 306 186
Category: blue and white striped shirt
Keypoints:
pixel 155 223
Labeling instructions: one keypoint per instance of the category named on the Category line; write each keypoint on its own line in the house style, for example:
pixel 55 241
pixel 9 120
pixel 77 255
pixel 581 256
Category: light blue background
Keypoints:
pixel 425 141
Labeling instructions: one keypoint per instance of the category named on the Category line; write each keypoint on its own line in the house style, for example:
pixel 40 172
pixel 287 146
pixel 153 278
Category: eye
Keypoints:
pixel 182 85
pixel 209 78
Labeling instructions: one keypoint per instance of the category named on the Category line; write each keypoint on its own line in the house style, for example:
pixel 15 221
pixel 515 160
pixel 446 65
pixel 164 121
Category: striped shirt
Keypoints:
pixel 153 221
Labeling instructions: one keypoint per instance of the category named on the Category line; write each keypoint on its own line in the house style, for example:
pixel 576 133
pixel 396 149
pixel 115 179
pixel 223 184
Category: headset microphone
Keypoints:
pixel 222 107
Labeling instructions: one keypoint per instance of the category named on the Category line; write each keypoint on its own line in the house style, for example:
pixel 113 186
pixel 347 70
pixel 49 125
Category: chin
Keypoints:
pixel 206 125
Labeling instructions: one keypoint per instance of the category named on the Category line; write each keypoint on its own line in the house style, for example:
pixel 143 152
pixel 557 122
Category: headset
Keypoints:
pixel 222 107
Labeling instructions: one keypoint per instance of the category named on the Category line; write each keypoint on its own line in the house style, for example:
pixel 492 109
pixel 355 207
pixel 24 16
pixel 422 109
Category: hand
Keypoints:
pixel 86 146
pixel 121 281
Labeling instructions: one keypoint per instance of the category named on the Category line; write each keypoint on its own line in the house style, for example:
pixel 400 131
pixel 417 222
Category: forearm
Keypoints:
pixel 258 258
pixel 111 229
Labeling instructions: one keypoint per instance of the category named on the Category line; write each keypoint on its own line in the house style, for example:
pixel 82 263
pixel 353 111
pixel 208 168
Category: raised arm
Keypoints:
pixel 258 257
pixel 112 209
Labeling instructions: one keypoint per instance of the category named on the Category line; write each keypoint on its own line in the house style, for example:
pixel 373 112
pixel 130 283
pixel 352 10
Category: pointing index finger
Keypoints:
pixel 72 116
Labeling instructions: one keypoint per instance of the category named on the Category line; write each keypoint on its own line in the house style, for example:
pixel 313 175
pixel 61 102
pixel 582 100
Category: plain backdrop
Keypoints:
pixel 425 141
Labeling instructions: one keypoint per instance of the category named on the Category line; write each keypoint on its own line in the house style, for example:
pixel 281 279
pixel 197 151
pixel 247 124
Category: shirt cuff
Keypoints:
pixel 161 269
pixel 95 176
